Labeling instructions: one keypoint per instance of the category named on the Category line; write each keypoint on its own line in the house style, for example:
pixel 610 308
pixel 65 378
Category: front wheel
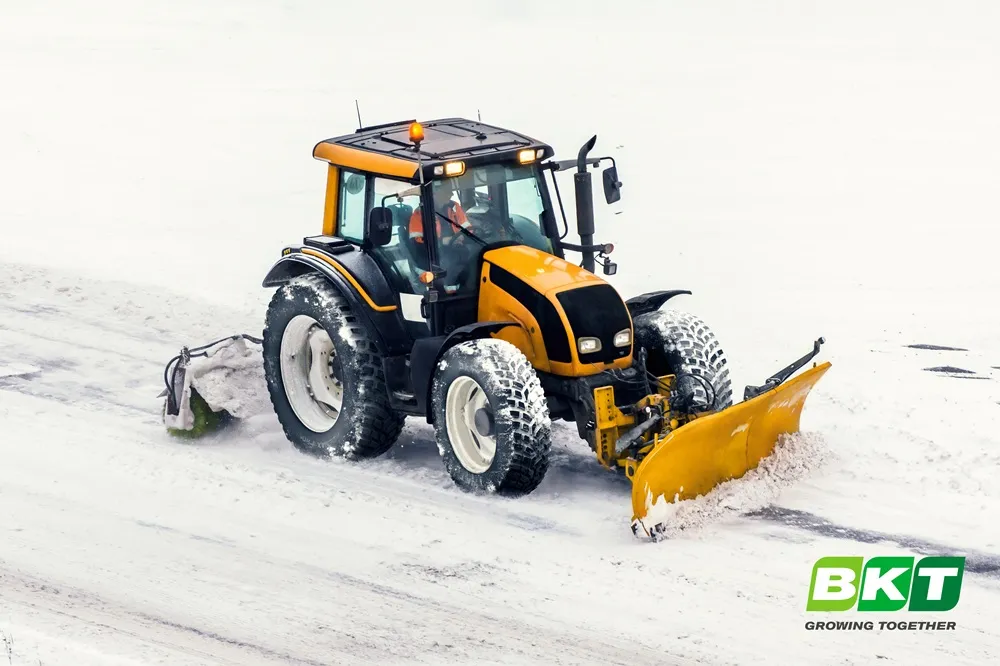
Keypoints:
pixel 682 344
pixel 491 419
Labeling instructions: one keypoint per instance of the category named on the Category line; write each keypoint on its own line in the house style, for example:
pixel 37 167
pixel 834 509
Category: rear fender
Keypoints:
pixel 293 265
pixel 428 351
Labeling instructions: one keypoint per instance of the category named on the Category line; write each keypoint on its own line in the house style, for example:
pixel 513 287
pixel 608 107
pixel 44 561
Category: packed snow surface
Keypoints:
pixel 805 169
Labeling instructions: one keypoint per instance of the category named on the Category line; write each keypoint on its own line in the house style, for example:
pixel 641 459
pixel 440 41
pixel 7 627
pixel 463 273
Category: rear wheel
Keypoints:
pixel 491 421
pixel 679 343
pixel 324 374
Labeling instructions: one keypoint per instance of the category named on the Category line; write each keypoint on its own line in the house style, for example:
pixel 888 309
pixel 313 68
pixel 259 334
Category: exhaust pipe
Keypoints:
pixel 585 205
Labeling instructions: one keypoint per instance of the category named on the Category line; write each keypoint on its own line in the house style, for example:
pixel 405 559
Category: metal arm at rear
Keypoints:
pixel 779 377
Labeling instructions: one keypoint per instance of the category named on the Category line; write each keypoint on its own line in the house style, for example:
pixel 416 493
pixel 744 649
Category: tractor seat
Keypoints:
pixel 400 214
pixel 417 253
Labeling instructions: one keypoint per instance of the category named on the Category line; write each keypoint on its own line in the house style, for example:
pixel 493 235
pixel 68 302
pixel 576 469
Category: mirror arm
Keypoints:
pixel 602 248
pixel 565 165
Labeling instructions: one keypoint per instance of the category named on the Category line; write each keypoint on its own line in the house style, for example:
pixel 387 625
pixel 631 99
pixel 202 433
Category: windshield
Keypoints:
pixel 499 202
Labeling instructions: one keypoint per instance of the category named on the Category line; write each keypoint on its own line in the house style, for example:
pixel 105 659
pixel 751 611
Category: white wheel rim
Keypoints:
pixel 474 450
pixel 314 394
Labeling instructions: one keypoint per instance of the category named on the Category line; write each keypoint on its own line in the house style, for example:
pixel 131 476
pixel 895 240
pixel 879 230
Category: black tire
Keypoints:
pixel 680 343
pixel 366 426
pixel 521 424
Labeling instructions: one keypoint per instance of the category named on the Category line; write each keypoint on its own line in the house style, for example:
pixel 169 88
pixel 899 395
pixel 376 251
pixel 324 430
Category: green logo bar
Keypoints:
pixel 937 584
pixel 885 584
pixel 834 584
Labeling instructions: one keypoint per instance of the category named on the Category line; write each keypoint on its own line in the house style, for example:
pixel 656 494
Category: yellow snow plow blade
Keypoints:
pixel 698 456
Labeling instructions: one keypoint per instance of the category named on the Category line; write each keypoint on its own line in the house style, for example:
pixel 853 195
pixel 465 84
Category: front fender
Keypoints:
pixel 651 301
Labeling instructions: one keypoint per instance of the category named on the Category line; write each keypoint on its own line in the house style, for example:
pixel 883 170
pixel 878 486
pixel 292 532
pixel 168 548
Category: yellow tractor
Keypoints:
pixel 440 288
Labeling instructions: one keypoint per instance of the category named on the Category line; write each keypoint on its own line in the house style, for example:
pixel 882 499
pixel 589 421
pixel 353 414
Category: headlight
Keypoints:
pixel 588 345
pixel 623 338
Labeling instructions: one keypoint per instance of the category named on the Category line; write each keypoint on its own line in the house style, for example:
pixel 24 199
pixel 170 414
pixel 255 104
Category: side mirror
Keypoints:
pixel 379 226
pixel 612 186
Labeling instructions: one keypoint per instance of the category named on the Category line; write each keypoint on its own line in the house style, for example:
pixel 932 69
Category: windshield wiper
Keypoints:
pixel 461 228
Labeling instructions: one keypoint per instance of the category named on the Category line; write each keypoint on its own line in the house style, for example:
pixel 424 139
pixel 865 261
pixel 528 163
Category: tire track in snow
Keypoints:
pixel 986 564
pixel 79 605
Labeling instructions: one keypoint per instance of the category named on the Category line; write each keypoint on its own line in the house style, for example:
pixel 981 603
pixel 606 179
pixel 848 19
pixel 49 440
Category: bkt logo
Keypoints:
pixel 886 583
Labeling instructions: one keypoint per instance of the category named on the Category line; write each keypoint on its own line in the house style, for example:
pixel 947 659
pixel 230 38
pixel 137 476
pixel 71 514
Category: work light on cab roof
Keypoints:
pixel 443 288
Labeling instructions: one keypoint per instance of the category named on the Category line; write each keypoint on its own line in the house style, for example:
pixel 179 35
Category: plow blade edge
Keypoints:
pixel 710 450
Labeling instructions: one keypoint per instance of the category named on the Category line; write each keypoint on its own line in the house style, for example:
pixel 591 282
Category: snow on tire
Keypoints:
pixel 680 343
pixel 491 418
pixel 324 373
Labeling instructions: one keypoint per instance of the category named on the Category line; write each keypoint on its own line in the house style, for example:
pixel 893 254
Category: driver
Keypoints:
pixel 447 207
pixel 451 227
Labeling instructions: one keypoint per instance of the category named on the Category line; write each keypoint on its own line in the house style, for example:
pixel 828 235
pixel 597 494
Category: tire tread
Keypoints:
pixel 376 425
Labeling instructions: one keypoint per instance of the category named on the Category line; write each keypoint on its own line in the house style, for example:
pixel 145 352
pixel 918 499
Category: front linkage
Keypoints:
pixel 779 377
pixel 625 435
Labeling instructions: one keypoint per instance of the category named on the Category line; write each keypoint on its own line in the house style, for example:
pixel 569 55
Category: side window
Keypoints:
pixel 351 220
pixel 400 198
pixel 406 258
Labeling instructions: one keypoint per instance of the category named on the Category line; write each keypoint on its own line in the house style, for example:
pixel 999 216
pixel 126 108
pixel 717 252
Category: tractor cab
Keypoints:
pixel 427 200
pixel 483 206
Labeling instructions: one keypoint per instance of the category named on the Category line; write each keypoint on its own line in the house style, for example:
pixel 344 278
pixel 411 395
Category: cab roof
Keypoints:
pixel 388 149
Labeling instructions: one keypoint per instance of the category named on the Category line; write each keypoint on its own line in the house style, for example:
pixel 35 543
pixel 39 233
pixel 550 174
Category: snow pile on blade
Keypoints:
pixel 229 376
pixel 794 458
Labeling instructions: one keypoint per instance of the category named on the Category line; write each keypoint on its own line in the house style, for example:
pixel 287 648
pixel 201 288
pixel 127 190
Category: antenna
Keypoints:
pixel 356 106
pixel 479 115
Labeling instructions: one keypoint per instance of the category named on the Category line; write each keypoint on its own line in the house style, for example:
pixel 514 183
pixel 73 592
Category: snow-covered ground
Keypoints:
pixel 806 169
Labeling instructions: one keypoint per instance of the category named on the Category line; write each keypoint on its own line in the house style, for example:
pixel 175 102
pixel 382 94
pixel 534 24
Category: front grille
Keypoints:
pixel 597 312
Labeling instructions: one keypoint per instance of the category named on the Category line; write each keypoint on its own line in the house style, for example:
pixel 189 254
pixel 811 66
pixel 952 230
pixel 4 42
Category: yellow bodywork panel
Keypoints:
pixel 363 160
pixel 330 204
pixel 495 304
pixel 548 276
pixel 712 449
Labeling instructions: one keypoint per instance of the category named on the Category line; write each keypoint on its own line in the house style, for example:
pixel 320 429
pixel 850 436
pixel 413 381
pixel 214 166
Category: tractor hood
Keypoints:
pixel 543 272
pixel 557 304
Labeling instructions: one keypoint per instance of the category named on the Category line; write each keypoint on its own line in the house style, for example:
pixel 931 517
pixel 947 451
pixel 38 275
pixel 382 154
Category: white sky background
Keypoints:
pixel 841 157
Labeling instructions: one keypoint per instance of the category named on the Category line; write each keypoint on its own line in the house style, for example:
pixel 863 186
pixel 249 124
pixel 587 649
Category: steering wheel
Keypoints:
pixel 461 257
